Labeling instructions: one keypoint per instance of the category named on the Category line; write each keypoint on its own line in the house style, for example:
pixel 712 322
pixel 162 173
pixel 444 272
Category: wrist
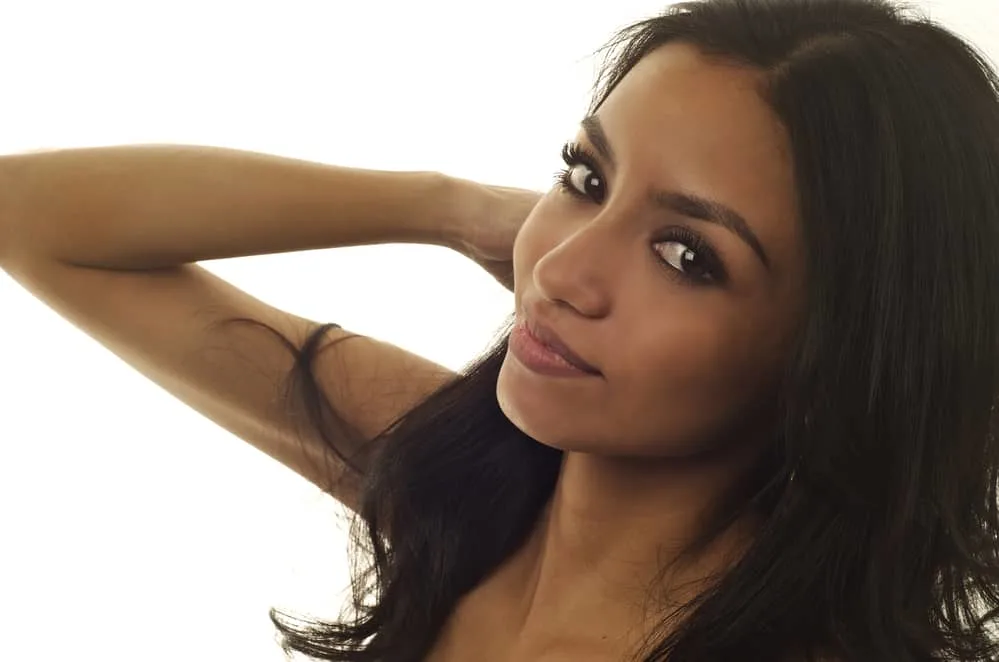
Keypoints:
pixel 463 201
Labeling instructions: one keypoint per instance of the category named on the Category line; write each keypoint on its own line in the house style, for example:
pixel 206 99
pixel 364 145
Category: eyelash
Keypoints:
pixel 575 154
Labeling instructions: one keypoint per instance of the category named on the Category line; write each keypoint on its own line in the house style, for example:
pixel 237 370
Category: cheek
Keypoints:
pixel 694 382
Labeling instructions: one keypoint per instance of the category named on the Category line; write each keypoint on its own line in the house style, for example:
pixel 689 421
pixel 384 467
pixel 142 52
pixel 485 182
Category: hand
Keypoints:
pixel 486 236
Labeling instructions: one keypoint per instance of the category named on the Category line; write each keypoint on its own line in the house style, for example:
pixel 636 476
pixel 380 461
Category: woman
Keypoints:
pixel 767 428
pixel 788 432
pixel 775 247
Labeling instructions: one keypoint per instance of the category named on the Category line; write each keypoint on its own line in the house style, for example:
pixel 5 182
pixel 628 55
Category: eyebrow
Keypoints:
pixel 687 204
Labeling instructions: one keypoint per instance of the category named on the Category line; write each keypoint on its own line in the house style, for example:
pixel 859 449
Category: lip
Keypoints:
pixel 548 338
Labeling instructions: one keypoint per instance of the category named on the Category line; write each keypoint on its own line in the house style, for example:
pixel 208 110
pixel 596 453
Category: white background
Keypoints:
pixel 130 526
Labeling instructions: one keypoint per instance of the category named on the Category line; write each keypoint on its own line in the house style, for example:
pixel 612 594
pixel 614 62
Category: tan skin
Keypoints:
pixel 683 366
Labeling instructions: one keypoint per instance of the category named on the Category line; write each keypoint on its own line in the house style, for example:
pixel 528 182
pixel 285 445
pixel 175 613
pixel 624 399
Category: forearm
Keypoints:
pixel 148 206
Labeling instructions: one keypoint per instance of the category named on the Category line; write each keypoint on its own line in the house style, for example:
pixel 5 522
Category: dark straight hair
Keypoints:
pixel 884 545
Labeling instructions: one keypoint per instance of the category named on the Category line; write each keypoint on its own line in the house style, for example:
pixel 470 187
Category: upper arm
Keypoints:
pixel 166 324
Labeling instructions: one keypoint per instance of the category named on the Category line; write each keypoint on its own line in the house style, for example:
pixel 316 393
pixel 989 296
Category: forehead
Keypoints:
pixel 681 120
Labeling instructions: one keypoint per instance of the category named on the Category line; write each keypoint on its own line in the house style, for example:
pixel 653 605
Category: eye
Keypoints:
pixel 581 177
pixel 689 258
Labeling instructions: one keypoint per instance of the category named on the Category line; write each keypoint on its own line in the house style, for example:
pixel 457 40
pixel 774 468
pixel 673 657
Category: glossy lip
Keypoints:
pixel 545 336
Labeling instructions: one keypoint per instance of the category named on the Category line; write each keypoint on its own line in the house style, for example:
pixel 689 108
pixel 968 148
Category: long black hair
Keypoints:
pixel 884 544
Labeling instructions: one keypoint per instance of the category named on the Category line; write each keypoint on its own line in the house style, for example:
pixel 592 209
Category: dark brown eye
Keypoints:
pixel 684 259
pixel 690 257
pixel 585 180
pixel 581 177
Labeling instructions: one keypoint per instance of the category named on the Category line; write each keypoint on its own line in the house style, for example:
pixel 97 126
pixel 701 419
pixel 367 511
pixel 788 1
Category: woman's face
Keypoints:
pixel 686 320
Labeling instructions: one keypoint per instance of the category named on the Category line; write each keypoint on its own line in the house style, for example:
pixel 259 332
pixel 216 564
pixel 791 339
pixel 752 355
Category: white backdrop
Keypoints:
pixel 130 526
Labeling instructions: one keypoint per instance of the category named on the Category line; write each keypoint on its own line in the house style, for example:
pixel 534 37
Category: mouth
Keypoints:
pixel 547 337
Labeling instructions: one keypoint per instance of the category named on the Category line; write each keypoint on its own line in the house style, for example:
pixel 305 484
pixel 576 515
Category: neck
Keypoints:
pixel 602 542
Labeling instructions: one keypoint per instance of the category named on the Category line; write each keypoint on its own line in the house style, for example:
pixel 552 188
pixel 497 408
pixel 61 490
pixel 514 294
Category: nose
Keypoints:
pixel 583 264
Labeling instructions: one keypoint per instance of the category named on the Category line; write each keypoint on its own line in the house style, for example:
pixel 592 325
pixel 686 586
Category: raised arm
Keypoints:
pixel 109 238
